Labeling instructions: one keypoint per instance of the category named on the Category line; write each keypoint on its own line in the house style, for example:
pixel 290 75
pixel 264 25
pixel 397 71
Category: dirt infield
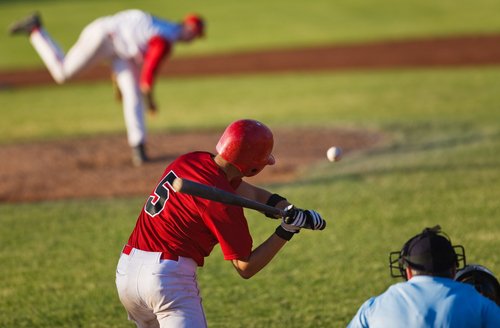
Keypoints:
pixel 100 166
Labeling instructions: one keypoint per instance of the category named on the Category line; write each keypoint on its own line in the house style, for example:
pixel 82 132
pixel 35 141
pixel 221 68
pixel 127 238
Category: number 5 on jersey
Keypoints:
pixel 155 204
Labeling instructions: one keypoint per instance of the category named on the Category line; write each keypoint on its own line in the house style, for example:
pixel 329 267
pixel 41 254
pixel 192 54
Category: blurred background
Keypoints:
pixel 434 159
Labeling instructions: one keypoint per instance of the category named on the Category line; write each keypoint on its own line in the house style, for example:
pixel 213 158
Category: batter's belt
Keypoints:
pixel 164 256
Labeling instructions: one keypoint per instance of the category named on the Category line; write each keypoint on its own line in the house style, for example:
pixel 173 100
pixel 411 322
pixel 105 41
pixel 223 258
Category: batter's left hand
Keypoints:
pixel 298 218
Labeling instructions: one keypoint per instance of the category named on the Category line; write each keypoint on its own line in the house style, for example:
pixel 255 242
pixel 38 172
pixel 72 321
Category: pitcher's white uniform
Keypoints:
pixel 131 40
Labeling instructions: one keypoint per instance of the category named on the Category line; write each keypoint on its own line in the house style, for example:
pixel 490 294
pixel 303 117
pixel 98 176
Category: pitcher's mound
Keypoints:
pixel 98 167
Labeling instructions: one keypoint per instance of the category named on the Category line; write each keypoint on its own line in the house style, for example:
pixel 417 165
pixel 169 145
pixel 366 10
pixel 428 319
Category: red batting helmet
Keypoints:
pixel 197 22
pixel 247 144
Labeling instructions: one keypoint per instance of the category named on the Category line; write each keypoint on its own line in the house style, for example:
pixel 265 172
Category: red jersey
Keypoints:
pixel 189 226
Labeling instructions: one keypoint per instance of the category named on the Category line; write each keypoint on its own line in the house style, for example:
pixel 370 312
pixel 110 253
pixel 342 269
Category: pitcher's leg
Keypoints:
pixel 50 52
pixel 127 78
pixel 93 46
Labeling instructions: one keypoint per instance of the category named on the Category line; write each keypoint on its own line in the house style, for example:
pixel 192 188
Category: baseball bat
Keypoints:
pixel 218 195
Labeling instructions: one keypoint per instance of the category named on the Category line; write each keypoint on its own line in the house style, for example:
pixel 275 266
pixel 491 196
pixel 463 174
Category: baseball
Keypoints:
pixel 334 154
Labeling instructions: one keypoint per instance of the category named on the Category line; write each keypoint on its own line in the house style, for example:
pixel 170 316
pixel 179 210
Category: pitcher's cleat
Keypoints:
pixel 25 25
pixel 139 155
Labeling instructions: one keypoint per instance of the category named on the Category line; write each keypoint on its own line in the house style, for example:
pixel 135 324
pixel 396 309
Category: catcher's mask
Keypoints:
pixel 430 252
pixel 247 144
pixel 482 279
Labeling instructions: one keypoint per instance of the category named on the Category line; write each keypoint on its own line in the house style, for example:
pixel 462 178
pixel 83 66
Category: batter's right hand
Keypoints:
pixel 297 219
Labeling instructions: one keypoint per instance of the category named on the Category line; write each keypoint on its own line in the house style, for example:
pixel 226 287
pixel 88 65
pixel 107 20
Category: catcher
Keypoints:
pixel 429 297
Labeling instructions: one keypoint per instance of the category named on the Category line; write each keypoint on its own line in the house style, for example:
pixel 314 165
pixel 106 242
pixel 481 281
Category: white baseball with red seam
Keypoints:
pixel 334 154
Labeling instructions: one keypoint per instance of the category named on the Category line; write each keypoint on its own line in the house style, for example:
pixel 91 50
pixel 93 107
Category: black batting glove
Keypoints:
pixel 297 219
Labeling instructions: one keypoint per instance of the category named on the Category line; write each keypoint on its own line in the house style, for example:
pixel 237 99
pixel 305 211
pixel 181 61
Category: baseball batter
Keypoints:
pixel 134 41
pixel 156 274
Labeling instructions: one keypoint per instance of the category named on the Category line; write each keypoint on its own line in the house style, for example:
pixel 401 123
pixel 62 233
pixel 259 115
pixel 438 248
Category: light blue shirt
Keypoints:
pixel 431 302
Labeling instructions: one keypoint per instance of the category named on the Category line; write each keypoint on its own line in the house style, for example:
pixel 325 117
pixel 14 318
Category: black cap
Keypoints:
pixel 430 252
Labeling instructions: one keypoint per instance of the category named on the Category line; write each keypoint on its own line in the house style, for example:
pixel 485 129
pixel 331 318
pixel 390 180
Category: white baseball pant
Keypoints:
pixel 159 293
pixel 94 46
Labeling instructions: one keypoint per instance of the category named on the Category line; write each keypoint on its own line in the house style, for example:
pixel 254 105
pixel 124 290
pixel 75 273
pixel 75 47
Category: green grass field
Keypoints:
pixel 260 24
pixel 439 165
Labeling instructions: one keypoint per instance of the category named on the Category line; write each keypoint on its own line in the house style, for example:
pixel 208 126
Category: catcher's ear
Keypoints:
pixel 454 271
pixel 409 274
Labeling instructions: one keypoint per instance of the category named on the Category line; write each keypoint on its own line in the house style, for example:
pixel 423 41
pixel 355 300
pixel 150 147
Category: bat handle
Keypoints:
pixel 285 214
pixel 276 213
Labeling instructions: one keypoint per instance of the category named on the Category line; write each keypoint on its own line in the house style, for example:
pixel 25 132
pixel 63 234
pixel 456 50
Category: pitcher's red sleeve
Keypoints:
pixel 157 49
